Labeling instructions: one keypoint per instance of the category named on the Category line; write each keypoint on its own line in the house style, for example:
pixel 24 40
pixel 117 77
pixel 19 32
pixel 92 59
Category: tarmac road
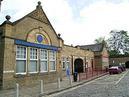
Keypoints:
pixel 107 86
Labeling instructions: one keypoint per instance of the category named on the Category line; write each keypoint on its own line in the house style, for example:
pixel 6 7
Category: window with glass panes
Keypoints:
pixel 21 59
pixel 33 60
pixel 52 60
pixel 63 63
pixel 43 60
pixel 67 63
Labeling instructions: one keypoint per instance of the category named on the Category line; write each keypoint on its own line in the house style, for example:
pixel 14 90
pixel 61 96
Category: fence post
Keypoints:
pixel 41 86
pixel 79 75
pixel 17 90
pixel 92 72
pixel 58 83
pixel 97 71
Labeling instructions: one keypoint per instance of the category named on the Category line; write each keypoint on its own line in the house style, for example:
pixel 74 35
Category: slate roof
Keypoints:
pixel 93 47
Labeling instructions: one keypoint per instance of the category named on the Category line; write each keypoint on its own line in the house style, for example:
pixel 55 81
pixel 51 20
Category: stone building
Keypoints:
pixel 30 50
pixel 119 60
pixel 101 57
pixel 79 59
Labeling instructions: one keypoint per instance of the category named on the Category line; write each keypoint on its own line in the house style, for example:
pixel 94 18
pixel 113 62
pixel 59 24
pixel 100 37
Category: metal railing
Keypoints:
pixel 39 88
pixel 89 73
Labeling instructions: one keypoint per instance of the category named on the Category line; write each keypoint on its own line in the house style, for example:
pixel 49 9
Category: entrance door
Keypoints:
pixel 78 65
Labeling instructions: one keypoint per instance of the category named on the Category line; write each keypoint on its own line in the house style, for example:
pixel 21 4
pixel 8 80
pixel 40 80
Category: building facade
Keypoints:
pixel 77 59
pixel 101 56
pixel 31 51
pixel 119 60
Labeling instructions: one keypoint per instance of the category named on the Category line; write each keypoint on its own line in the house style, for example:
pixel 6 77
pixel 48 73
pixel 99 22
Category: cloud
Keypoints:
pixel 61 16
pixel 94 20
pixel 106 12
pixel 16 8
pixel 58 10
pixel 105 16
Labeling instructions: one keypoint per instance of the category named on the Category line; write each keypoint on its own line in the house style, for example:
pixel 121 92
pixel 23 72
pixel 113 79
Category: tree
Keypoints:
pixel 118 42
pixel 100 40
pixel 113 53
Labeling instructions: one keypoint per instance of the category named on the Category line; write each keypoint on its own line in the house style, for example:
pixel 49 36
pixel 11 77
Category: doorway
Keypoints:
pixel 78 65
pixel 127 64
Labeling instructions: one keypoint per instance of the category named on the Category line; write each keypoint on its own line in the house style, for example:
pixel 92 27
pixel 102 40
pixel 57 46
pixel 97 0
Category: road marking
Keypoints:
pixel 103 83
pixel 55 94
pixel 121 78
pixel 73 88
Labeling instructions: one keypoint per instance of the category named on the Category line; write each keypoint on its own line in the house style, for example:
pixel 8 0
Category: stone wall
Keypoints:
pixel 1 58
pixel 22 29
pixel 74 53
pixel 8 62
pixel 98 63
pixel 118 60
pixel 101 59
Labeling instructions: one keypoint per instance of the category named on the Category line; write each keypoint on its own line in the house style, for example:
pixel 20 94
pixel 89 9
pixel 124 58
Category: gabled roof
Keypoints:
pixel 93 47
pixel 37 14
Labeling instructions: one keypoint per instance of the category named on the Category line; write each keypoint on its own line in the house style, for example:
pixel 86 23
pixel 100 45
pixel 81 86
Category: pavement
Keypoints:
pixel 48 89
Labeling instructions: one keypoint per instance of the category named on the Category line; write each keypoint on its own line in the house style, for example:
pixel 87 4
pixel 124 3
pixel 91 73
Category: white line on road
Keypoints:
pixel 103 83
pixel 73 88
pixel 55 94
pixel 121 78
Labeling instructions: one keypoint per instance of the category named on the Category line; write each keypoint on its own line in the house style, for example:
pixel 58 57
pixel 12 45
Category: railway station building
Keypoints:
pixel 31 50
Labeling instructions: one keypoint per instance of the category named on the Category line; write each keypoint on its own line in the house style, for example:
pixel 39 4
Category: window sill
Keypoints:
pixel 43 71
pixel 52 70
pixel 63 69
pixel 32 72
pixel 20 75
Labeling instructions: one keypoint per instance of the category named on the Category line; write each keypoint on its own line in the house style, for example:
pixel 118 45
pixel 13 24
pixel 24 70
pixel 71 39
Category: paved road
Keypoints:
pixel 107 86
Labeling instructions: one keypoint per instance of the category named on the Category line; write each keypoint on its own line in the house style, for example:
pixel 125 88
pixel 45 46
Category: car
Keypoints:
pixel 115 70
pixel 122 67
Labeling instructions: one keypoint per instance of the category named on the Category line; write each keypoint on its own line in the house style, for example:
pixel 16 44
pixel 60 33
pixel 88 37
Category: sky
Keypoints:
pixel 79 22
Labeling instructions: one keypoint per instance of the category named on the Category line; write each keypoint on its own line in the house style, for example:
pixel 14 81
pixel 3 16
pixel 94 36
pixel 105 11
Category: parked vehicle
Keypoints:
pixel 122 67
pixel 115 70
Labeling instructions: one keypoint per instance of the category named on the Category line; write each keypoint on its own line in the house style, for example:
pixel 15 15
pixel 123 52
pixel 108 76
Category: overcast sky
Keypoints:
pixel 79 22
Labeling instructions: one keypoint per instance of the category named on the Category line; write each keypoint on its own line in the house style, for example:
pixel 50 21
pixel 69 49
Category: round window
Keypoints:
pixel 39 38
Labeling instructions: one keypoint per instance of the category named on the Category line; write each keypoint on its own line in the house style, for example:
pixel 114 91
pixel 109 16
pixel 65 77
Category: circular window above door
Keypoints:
pixel 39 38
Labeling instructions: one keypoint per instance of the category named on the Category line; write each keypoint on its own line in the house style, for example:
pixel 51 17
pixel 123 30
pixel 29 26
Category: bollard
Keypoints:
pixel 70 81
pixel 58 83
pixel 17 91
pixel 41 86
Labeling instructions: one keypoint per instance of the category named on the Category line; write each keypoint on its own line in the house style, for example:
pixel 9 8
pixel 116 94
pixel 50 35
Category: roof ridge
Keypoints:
pixel 91 44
